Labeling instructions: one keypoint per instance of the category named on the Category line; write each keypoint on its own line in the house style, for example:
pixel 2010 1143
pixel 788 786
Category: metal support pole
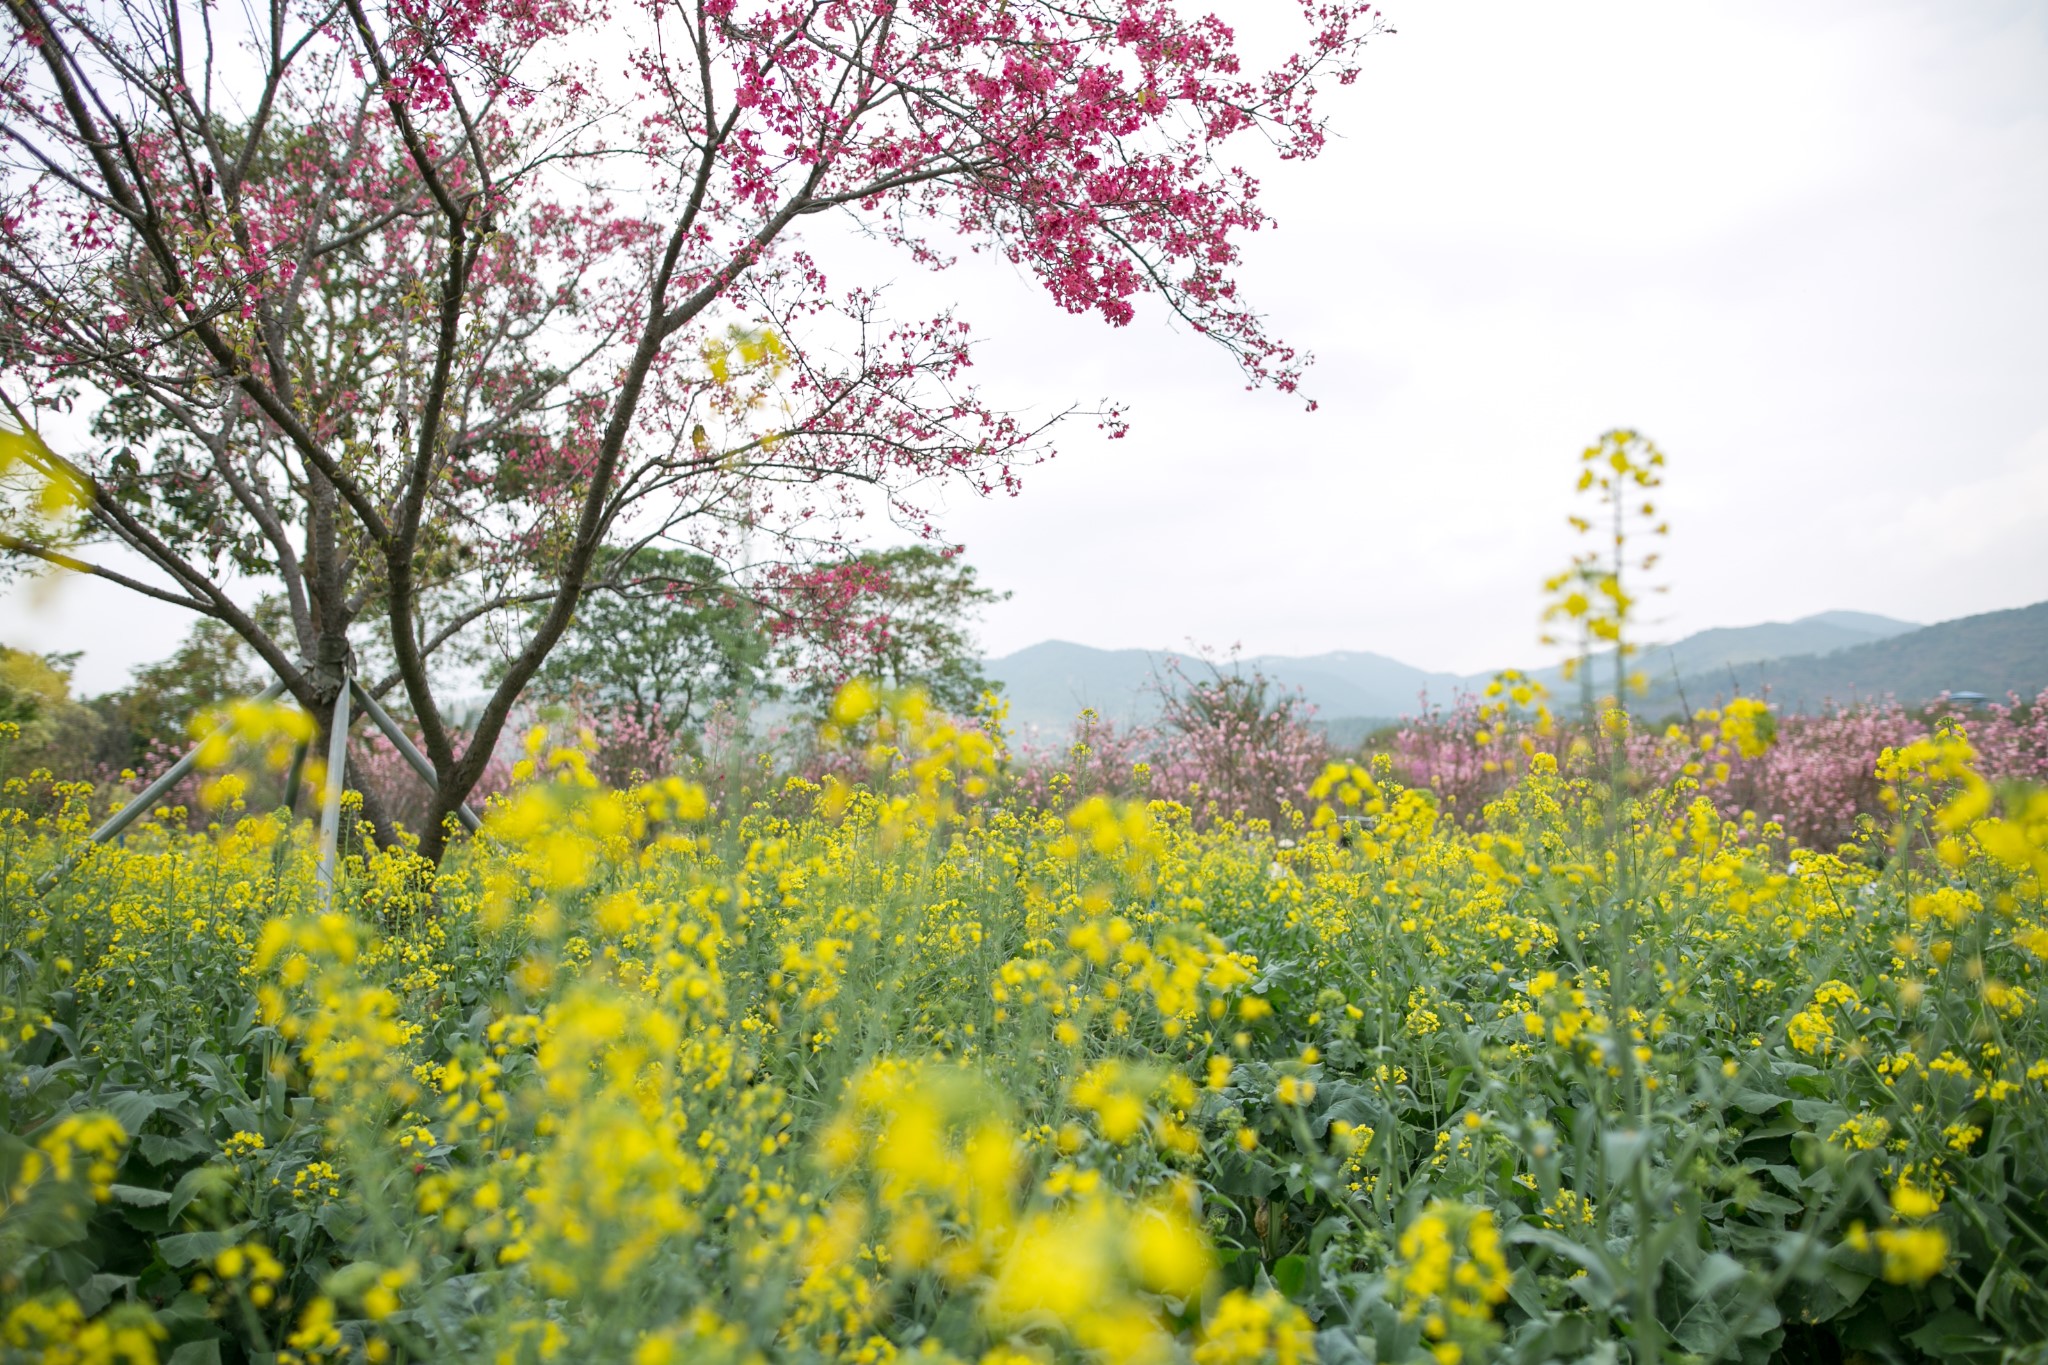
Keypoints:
pixel 408 750
pixel 145 799
pixel 330 814
pixel 293 775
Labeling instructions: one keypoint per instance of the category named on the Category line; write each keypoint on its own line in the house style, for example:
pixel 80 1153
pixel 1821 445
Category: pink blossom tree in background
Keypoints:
pixel 1229 744
pixel 1097 757
pixel 1815 777
pixel 1440 749
pixel 2011 737
pixel 405 309
pixel 1819 774
pixel 1234 744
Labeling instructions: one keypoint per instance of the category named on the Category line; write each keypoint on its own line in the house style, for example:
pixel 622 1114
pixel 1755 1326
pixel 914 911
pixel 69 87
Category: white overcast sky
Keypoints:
pixel 1804 247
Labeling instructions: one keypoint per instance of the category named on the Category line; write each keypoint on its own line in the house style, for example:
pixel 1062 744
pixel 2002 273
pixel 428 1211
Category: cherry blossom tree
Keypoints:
pixel 407 308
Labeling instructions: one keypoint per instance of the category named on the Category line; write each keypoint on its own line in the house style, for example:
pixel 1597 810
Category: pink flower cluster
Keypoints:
pixel 1816 778
pixel 1229 746
pixel 401 795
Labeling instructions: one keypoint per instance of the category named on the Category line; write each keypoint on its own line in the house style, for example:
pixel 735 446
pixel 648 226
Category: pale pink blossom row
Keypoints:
pixel 1816 778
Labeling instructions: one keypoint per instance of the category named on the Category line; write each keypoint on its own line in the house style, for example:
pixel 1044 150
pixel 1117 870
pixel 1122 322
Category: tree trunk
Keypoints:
pixel 382 831
pixel 448 798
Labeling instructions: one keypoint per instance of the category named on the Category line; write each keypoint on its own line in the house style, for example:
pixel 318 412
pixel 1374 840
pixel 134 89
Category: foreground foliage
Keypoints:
pixel 905 1069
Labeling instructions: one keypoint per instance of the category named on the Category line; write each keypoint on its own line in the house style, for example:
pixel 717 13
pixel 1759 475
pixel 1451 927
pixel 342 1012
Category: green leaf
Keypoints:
pixel 196 1182
pixel 97 1292
pixel 186 1312
pixel 1336 1346
pixel 1953 1334
pixel 1353 1109
pixel 161 1151
pixel 71 1266
pixel 1783 1127
pixel 1785 1066
pixel 186 1247
pixel 1787 1176
pixel 1763 1201
pixel 140 1197
pixel 1822 1114
pixel 1291 1274
pixel 1563 1246
pixel 196 1353
pixel 133 1108
pixel 1716 1273
pixel 1527 1296
pixel 1844 1287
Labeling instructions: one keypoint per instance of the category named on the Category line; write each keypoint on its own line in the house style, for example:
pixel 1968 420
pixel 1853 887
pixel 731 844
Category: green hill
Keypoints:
pixel 1048 684
pixel 1995 653
pixel 1711 652
pixel 1835 657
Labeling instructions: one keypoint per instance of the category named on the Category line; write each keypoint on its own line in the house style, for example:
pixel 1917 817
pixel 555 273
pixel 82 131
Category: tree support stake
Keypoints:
pixel 330 810
pixel 409 751
pixel 145 799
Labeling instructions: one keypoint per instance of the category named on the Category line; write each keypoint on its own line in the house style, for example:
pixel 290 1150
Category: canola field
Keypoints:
pixel 909 1069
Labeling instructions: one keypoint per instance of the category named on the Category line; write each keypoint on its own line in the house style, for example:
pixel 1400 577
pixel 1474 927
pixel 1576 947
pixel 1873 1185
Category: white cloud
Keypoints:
pixel 1798 245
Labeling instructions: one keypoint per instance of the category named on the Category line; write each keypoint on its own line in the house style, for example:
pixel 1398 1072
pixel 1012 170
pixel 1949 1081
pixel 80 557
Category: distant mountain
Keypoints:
pixel 1712 651
pixel 1883 627
pixel 1835 656
pixel 1048 684
pixel 1354 683
pixel 1995 653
